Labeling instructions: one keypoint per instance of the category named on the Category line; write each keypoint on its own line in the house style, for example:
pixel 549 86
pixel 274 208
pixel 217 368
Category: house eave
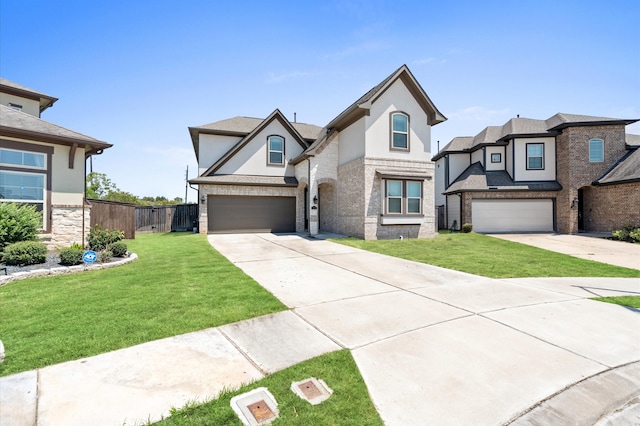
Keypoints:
pixel 13 132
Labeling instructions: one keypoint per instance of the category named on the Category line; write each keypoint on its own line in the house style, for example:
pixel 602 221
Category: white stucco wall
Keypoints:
pixel 440 199
pixel 453 210
pixel 29 106
pixel 458 163
pixel 477 156
pixel 520 152
pixel 377 126
pixel 352 142
pixel 252 158
pixel 67 185
pixel 211 148
pixel 489 166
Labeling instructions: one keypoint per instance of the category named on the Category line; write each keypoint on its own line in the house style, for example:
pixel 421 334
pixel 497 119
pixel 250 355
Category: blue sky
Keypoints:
pixel 138 73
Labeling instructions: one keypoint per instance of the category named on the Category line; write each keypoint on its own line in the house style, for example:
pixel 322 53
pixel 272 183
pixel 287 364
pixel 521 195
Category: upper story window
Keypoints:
pixel 535 156
pixel 32 160
pixel 399 131
pixel 15 106
pixel 275 148
pixel 496 157
pixel 403 197
pixel 596 151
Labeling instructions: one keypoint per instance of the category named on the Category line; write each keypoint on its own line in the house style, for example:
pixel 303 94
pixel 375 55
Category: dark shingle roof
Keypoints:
pixel 562 120
pixel 247 180
pixel 474 178
pixel 14 122
pixel 625 171
pixel 8 86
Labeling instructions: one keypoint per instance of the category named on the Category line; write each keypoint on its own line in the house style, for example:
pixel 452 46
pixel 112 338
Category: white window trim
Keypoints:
pixel 269 150
pixel 23 166
pixel 534 156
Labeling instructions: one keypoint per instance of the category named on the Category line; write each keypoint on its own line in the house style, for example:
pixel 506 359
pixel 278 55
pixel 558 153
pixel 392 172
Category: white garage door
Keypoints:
pixel 512 215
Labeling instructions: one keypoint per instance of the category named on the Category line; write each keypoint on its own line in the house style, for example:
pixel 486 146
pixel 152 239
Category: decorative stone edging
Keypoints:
pixel 61 270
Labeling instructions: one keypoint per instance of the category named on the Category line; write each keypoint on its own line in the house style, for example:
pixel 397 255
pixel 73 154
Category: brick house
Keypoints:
pixel 43 164
pixel 566 174
pixel 367 173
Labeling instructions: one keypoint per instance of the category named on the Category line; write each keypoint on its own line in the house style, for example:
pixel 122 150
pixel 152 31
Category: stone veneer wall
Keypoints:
pixel 241 190
pixel 610 207
pixel 574 169
pixel 66 225
pixel 466 214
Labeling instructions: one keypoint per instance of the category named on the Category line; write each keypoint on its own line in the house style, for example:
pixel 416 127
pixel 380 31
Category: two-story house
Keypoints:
pixel 43 164
pixel 367 173
pixel 566 174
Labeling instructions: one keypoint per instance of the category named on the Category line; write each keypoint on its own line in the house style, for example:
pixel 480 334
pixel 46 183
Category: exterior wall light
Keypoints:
pixel 203 199
pixel 574 202
pixel 315 199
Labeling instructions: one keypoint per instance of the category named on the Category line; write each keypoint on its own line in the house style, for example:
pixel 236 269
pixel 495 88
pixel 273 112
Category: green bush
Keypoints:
pixel 119 249
pixel 101 238
pixel 104 256
pixel 71 255
pixel 627 233
pixel 25 253
pixel 635 235
pixel 467 227
pixel 18 222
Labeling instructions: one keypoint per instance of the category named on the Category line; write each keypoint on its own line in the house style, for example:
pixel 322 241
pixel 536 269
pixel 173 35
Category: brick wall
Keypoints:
pixel 574 169
pixel 610 207
pixel 350 198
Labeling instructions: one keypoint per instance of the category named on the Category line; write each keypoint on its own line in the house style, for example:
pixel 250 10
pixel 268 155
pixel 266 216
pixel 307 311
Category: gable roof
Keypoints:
pixel 275 115
pixel 626 170
pixel 562 120
pixel 19 124
pixel 242 126
pixel 359 107
pixel 12 88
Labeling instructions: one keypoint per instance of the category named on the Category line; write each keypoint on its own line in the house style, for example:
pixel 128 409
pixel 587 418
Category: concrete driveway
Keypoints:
pixel 583 246
pixel 437 346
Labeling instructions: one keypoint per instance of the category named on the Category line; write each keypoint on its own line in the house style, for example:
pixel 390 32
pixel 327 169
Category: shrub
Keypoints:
pixel 624 234
pixel 101 238
pixel 104 256
pixel 71 255
pixel 467 227
pixel 119 249
pixel 25 253
pixel 635 235
pixel 18 222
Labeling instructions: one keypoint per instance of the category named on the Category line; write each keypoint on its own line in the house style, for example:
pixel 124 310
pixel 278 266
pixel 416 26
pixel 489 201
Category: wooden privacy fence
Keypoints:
pixel 176 218
pixel 114 215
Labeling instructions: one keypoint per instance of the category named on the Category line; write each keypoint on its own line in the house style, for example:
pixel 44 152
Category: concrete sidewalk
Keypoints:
pixel 434 346
pixel 583 246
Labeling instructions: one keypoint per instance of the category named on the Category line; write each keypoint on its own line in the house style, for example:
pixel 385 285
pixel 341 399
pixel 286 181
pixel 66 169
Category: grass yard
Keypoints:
pixel 179 284
pixel 630 301
pixel 348 405
pixel 490 257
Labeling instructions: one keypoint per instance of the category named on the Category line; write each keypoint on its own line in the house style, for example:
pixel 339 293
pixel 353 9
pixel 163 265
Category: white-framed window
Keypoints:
pixel 535 156
pixel 403 197
pixel 496 157
pixel 23 178
pixel 11 157
pixel 399 131
pixel 596 151
pixel 275 150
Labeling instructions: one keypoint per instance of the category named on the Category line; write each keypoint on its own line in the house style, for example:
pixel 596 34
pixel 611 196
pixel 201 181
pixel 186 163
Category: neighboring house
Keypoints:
pixel 566 174
pixel 43 164
pixel 366 174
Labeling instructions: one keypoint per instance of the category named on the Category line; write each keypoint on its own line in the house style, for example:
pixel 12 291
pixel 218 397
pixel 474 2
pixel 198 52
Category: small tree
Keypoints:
pixel 18 222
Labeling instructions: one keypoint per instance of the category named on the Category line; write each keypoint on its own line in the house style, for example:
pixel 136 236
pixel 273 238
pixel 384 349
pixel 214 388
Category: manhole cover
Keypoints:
pixel 312 390
pixel 256 407
pixel 261 411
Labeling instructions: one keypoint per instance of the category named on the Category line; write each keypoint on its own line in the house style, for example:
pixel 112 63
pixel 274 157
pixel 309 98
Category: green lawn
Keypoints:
pixel 490 257
pixel 630 301
pixel 348 405
pixel 179 284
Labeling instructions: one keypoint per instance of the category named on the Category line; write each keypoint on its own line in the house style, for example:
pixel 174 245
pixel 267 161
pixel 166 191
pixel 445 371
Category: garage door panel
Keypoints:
pixel 512 215
pixel 228 213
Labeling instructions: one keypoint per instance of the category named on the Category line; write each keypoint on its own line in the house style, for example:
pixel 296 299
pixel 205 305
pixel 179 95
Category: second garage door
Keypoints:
pixel 227 213
pixel 512 215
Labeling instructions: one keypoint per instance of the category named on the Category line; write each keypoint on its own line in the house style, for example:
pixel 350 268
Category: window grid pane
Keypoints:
pixel 596 151
pixel 19 158
pixel 21 186
pixel 535 156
